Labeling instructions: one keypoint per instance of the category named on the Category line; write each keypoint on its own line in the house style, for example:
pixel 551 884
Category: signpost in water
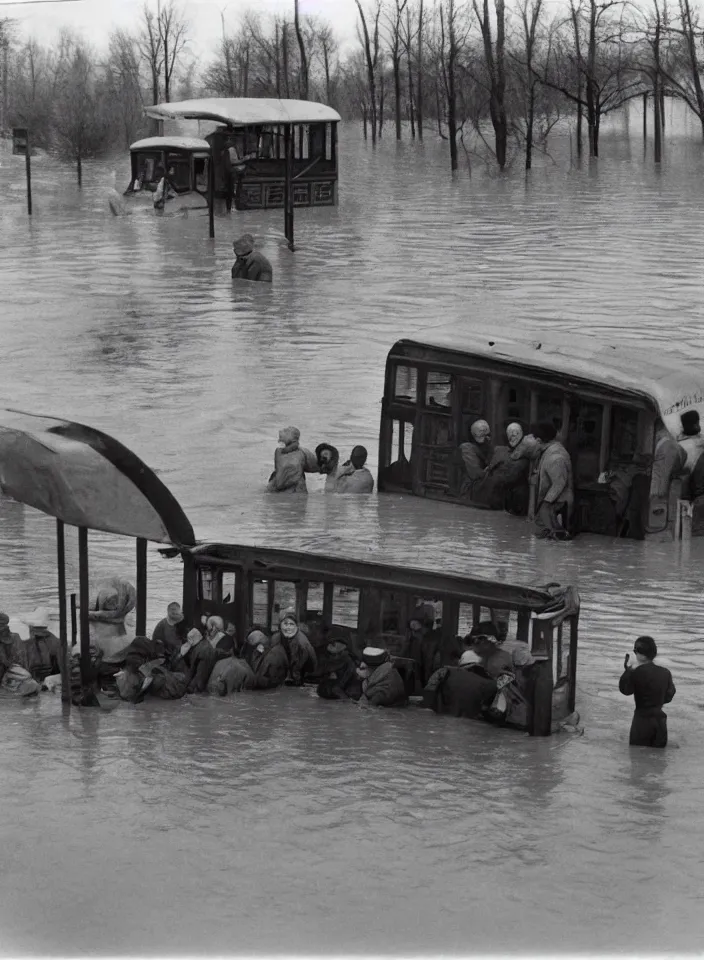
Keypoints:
pixel 20 147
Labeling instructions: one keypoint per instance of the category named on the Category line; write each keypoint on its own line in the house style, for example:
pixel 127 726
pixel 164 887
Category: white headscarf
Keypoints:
pixel 514 434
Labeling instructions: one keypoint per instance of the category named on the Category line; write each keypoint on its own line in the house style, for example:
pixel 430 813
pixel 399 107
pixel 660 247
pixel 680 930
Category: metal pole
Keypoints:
pixel 211 194
pixel 28 168
pixel 288 185
pixel 74 621
pixel 83 602
pixel 63 631
pixel 141 587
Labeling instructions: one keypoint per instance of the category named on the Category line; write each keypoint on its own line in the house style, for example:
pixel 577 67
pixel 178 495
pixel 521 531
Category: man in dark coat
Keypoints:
pixel 651 687
pixel 462 691
pixel 200 658
pixel 340 679
pixel 172 629
pixel 250 263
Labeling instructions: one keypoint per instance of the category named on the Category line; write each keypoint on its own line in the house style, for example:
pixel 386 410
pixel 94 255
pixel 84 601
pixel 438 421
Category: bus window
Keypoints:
pixel 515 402
pixel 284 599
pixel 550 408
pixel 465 619
pixel 260 604
pixel 206 582
pixel 345 607
pixel 437 431
pixel 624 434
pixel 472 397
pixel 406 384
pixel 227 586
pixel 438 390
pixel 180 179
pixel 200 166
pixel 314 601
pixel 401 440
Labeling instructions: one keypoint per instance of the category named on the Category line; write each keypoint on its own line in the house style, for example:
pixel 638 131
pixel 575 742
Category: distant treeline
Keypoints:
pixel 487 78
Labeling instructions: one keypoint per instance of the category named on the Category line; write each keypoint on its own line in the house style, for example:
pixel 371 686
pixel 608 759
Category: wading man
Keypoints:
pixel 651 687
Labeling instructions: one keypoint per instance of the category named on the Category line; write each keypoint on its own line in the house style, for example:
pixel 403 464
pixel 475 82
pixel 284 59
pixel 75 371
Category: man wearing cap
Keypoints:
pixel 250 263
pixel 42 646
pixel 462 691
pixel 555 483
pixel 354 477
pixel 382 685
pixel 172 629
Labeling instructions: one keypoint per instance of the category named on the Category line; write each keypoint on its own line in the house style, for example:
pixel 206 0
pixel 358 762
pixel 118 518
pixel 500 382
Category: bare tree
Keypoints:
pixel 495 64
pixel 419 70
pixel 328 47
pixel 173 33
pixel 394 20
pixel 151 49
pixel 370 45
pixel 449 53
pixel 530 11
pixel 303 73
pixel 683 74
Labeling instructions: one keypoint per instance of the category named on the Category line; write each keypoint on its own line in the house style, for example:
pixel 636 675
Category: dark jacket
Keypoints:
pixel 385 688
pixel 171 635
pixel 201 659
pixel 459 691
pixel 650 685
pixel 254 266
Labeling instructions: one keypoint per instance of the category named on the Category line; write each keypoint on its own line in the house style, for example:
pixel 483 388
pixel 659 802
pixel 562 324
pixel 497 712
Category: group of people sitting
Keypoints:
pixel 531 475
pixel 475 677
pixel 24 664
pixel 292 462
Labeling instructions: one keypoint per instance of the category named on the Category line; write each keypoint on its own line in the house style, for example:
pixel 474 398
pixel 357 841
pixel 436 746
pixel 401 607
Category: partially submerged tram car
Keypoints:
pixel 606 403
pixel 365 602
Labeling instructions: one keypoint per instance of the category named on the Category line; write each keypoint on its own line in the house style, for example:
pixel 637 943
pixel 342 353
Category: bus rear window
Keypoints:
pixel 406 384
pixel 438 390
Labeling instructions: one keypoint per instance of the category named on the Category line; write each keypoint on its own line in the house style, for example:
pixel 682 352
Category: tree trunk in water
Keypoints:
pixel 579 128
pixel 364 120
pixel 284 57
pixel 645 117
pixel 438 110
pixel 662 107
pixel 79 169
pixel 381 105
pixel 529 128
pixel 167 78
pixel 657 129
pixel 278 60
pixel 397 94
pixel 419 97
pixel 411 111
pixel 303 79
pixel 452 117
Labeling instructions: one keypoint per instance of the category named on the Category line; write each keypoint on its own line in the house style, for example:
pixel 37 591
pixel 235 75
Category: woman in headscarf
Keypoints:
pixel 291 463
pixel 299 649
pixel 220 641
pixel 382 684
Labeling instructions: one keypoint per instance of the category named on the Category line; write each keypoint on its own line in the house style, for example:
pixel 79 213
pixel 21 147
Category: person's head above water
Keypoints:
pixel 288 624
pixel 690 423
pixel 244 245
pixel 514 434
pixel 358 457
pixel 289 435
pixel 545 431
pixel 480 431
pixel 645 649
pixel 327 456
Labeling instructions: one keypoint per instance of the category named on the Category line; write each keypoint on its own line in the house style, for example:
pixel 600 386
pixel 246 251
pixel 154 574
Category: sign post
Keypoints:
pixel 20 146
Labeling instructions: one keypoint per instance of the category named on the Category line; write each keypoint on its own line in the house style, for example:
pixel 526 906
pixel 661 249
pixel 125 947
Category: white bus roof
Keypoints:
pixel 245 111
pixel 171 143
pixel 672 379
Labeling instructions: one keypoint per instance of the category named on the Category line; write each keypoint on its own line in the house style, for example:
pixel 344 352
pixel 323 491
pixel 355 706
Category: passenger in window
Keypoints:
pixel 164 190
pixel 422 645
pixel 291 463
pixel 382 684
pixel 466 690
pixel 668 461
pixel 353 476
pixel 555 484
pixel 299 650
pixel 250 264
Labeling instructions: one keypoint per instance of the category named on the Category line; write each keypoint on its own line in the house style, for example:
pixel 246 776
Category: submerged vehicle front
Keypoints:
pixel 169 173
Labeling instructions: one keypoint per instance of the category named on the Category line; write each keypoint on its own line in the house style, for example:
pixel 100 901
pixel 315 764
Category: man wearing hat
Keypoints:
pixel 382 684
pixel 172 629
pixel 340 680
pixel 462 691
pixel 250 263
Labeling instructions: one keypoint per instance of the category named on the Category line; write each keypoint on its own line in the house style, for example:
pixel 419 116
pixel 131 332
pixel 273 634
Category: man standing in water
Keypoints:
pixel 651 687
pixel 250 263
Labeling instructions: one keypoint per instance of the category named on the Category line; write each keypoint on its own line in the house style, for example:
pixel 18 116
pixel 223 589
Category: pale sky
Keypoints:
pixel 95 18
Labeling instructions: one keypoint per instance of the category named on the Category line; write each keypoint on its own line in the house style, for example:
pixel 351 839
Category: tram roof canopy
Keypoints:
pixel 245 111
pixel 171 143
pixel 86 478
pixel 669 377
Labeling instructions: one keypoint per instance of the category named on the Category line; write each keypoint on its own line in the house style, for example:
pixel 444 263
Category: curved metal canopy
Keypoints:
pixel 245 111
pixel 87 479
pixel 171 143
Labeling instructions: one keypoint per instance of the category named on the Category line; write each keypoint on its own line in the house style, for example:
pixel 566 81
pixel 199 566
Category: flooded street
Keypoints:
pixel 276 822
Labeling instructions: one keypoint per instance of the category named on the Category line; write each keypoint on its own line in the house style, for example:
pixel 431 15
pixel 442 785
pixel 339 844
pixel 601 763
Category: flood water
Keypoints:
pixel 277 822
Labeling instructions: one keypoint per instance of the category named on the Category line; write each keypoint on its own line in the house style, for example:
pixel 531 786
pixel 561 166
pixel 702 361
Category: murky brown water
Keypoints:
pixel 278 822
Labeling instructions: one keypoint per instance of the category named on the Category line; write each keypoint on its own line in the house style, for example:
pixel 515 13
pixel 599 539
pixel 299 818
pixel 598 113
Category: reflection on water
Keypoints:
pixel 365 831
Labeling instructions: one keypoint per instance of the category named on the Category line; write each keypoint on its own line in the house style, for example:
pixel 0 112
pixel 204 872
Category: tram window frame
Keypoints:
pixel 207 584
pixel 279 604
pixel 396 434
pixel 336 607
pixel 580 450
pixel 615 454
pixel 315 586
pixel 181 181
pixel 413 377
pixel 265 621
pixel 227 586
pixel 465 615
pixel 517 409
pixel 451 383
pixel 466 385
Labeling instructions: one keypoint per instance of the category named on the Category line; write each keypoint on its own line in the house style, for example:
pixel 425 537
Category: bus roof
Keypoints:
pixel 671 379
pixel 171 143
pixel 245 111
pixel 282 564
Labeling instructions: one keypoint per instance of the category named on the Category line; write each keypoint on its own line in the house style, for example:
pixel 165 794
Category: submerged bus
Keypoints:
pixel 605 402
